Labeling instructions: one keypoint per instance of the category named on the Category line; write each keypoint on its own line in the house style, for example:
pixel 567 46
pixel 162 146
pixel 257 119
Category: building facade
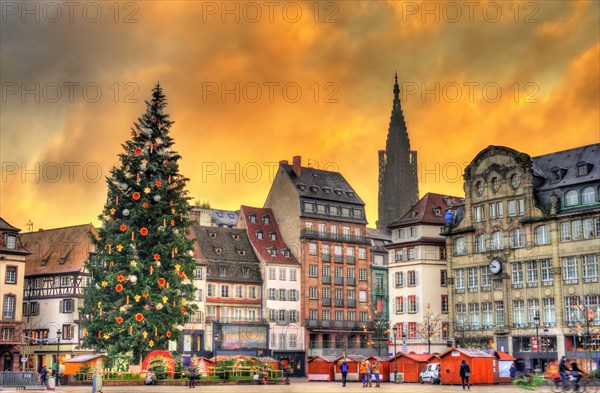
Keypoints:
pixel 12 273
pixel 398 182
pixel 380 313
pixel 523 255
pixel 233 297
pixel 418 275
pixel 281 287
pixel 55 281
pixel 322 220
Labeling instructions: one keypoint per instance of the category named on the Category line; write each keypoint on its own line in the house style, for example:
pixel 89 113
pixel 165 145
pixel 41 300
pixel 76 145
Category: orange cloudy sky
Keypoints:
pixel 251 83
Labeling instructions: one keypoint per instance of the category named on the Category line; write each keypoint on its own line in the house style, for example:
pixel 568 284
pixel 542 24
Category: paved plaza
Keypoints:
pixel 298 386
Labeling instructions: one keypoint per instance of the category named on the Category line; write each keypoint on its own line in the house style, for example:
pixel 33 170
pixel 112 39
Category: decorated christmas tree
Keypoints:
pixel 140 290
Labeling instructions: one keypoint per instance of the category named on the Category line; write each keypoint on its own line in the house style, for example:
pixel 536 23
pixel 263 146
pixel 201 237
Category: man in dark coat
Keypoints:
pixel 344 371
pixel 192 375
pixel 465 374
pixel 43 375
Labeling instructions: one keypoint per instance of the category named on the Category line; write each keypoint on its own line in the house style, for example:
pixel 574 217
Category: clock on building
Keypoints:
pixel 495 266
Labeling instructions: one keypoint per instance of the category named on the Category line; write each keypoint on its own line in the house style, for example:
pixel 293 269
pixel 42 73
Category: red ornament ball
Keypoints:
pixel 136 196
pixel 143 231
pixel 138 152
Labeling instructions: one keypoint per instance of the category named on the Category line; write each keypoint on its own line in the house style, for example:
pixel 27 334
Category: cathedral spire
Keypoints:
pixel 398 184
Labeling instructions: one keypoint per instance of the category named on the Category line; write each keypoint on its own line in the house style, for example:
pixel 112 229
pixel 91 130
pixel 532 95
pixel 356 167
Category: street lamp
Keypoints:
pixel 395 330
pixel 536 320
pixel 546 344
pixel 58 333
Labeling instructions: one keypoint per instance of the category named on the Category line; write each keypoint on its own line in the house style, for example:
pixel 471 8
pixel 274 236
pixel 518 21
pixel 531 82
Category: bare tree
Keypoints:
pixel 430 329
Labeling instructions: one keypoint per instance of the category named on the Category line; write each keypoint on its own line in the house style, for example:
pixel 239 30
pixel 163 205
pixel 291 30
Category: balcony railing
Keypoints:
pixel 351 259
pixel 326 301
pixel 335 237
pixel 326 279
pixel 351 281
pixel 338 259
pixel 344 325
pixel 326 257
pixel 351 302
pixel 338 280
pixel 339 302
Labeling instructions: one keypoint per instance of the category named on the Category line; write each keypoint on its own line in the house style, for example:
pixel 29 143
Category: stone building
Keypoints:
pixel 398 182
pixel 523 255
pixel 281 287
pixel 380 312
pixel 12 273
pixel 322 219
pixel 417 275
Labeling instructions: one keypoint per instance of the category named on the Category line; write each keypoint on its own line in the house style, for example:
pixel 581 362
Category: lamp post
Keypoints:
pixel 546 344
pixel 395 330
pixel 58 333
pixel 536 320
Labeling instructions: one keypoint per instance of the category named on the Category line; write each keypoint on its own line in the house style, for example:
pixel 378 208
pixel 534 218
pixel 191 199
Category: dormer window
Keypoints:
pixel 437 211
pixel 212 234
pixel 246 272
pixel 235 236
pixel 252 218
pixel 326 190
pixel 62 261
pixel 583 168
pixel 218 250
pixel 231 215
pixel 44 262
pixel 557 173
pixel 219 214
pixel 10 241
pixel 337 191
pixel 286 253
pixel 242 252
pixel 301 187
pixel 272 252
pixel 314 188
pixel 222 271
pixel 272 236
pixel 415 213
pixel 259 235
pixel 350 194
pixel 265 219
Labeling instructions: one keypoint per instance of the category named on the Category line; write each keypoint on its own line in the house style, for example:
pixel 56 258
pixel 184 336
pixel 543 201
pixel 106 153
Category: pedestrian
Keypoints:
pixel 192 375
pixel 465 373
pixel 344 371
pixel 512 371
pixel 369 373
pixel 363 372
pixel 288 374
pixel 576 373
pixel 43 375
pixel 562 370
pixel 376 367
pixel 265 374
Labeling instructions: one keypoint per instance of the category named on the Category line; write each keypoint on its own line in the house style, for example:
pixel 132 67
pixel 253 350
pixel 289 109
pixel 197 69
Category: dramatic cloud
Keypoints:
pixel 251 83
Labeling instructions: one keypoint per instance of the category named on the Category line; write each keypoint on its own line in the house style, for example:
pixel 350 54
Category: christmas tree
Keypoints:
pixel 140 290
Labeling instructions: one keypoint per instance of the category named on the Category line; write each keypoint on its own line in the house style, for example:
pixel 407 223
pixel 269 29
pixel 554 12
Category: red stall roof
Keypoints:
pixel 472 353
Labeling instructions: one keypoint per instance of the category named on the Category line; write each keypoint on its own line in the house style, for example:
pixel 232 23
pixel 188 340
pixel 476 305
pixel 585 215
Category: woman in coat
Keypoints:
pixel 465 374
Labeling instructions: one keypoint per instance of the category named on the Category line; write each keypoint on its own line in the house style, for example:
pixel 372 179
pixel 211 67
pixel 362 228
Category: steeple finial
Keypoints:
pixel 396 87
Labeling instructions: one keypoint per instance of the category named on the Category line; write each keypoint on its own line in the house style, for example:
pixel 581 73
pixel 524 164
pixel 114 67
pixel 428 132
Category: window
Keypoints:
pixel 444 304
pixel 222 271
pixel 312 314
pixel 460 246
pixel 588 228
pixel 496 210
pixel 590 267
pixel 321 229
pixel 362 296
pixel 519 312
pixel 252 294
pixel 246 272
pixel 487 314
pixel 357 213
pixel 479 188
pixel 66 281
pixel 351 316
pixel 571 198
pixel 67 332
pixel 460 279
pixel 272 236
pixel 224 290
pixel 542 235
pixel 549 311
pixel 321 209
pixel 472 279
pixel 345 212
pixel 412 330
pixel 252 218
pixel 11 275
pixel 9 307
pixel 412 254
pixel 293 317
pixel 7 334
pixel 363 316
pixel 412 304
pixel 199 273
pixel 66 306
pixel 259 234
pixel 570 273
pixel 362 274
pixel 533 309
pixel 516 238
pixel 334 231
pixel 572 311
pixel 497 240
pixel 515 181
pixel 210 290
pixel 592 302
pixel 443 278
pixel 273 272
pixel 326 315
pixel 10 241
pixel 400 305
pixel 293 295
pixel 479 213
pixel 565 231
pixel 309 207
pixel 576 229
pixel 399 279
pixel 461 314
pixel 412 278
pixel 334 211
pixel 272 252
pixel 474 315
pixel 281 274
pixel 517 275
pixel 532 273
pixel 399 255
pixel 351 294
pixel 495 183
pixel 308 227
pixel 588 195
pixel 293 274
pixel 362 253
pixel 312 292
pixel 480 243
pixel 282 294
pixel 546 268
pixel 499 313
pixel 272 293
pixel 312 248
pixel 486 278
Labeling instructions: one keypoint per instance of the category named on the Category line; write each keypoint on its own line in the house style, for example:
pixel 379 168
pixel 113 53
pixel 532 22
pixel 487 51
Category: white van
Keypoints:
pixel 430 373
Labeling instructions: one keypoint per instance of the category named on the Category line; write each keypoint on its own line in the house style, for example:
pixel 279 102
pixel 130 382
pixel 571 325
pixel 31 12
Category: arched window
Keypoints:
pixel 571 198
pixel 588 195
pixel 542 235
pixel 497 240
pixel 516 238
pixel 460 246
pixel 480 243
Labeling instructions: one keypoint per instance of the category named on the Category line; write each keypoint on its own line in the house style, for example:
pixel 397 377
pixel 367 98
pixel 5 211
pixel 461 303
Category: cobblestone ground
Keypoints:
pixel 299 386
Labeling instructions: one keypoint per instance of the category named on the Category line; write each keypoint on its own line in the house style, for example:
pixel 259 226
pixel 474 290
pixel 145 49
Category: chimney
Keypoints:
pixel 297 165
pixel 283 162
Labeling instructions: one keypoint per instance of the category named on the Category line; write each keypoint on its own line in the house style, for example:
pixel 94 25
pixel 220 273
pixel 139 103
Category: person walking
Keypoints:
pixel 43 375
pixel 363 372
pixel 562 370
pixel 376 368
pixel 344 371
pixel 512 371
pixel 265 374
pixel 465 373
pixel 576 373
pixel 369 373
pixel 192 375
